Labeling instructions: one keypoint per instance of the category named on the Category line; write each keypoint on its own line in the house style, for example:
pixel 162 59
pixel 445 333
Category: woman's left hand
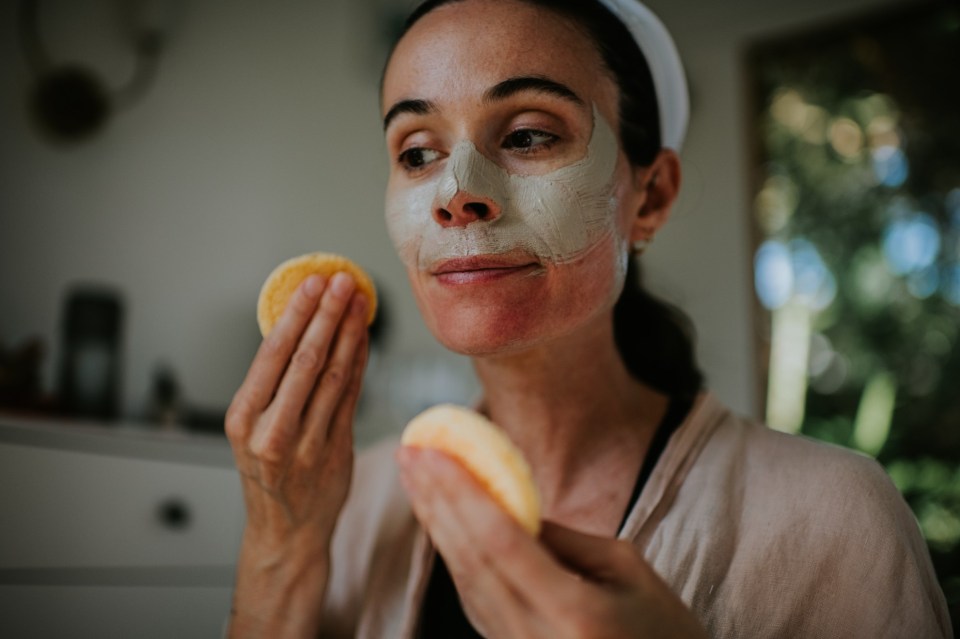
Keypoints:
pixel 564 585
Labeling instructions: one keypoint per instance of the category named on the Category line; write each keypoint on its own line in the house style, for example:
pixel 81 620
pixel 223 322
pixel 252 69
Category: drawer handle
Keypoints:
pixel 174 513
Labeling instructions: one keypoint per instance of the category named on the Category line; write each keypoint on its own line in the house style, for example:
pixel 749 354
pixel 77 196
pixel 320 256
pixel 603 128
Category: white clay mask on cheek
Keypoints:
pixel 556 217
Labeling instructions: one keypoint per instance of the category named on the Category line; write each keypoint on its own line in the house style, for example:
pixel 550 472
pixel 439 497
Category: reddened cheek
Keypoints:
pixel 519 314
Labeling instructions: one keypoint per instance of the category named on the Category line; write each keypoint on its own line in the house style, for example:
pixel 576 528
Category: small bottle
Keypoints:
pixel 91 359
pixel 165 399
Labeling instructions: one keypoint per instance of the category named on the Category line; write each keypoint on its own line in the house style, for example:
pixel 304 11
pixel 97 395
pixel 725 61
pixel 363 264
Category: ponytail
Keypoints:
pixel 655 340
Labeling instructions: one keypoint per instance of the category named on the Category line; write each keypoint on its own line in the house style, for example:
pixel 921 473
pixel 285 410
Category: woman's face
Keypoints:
pixel 510 201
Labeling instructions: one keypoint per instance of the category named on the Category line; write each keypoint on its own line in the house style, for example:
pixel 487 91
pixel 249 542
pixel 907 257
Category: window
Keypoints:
pixel 856 218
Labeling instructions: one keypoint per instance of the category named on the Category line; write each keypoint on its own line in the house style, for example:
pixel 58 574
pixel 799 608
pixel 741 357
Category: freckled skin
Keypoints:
pixel 431 62
pixel 541 337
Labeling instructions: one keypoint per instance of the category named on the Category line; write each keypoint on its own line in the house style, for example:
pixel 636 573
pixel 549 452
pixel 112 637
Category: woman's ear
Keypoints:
pixel 661 185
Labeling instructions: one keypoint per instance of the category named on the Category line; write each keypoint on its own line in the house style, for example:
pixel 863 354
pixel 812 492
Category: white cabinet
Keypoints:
pixel 113 532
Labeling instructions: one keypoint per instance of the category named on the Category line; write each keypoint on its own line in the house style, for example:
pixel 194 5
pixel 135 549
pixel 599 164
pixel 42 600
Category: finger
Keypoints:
pixel 311 353
pixel 517 557
pixel 333 382
pixel 335 430
pixel 341 428
pixel 597 558
pixel 275 350
pixel 262 379
pixel 493 606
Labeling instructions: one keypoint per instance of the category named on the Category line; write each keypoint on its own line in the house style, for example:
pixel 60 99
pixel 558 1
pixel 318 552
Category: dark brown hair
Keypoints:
pixel 655 339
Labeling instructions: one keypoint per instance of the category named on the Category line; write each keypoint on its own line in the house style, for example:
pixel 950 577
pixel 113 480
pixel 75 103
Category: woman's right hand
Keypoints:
pixel 291 429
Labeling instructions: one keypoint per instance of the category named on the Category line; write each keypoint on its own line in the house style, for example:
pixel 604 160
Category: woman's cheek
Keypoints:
pixel 408 214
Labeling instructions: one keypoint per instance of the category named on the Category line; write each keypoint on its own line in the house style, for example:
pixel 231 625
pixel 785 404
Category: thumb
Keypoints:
pixel 595 558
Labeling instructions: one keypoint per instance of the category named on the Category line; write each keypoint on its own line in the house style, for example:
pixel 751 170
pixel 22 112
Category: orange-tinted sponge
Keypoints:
pixel 486 452
pixel 284 280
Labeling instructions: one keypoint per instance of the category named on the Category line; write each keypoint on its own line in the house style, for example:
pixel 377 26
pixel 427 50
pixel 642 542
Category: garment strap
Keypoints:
pixel 677 411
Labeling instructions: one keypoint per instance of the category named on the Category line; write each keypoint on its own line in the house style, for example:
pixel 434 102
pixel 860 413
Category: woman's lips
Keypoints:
pixel 480 269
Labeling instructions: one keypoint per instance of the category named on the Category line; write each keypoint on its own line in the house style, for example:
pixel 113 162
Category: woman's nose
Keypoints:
pixel 465 208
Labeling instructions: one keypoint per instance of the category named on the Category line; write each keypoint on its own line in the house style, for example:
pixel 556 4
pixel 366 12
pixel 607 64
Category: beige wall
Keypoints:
pixel 260 140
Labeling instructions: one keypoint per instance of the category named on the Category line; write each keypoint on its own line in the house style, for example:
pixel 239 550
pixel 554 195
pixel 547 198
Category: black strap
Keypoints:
pixel 677 411
pixel 442 616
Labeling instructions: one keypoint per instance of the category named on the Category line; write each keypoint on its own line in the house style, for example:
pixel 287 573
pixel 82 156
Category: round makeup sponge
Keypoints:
pixel 284 280
pixel 486 452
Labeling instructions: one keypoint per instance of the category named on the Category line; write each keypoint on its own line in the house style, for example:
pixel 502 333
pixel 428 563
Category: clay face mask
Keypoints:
pixel 556 217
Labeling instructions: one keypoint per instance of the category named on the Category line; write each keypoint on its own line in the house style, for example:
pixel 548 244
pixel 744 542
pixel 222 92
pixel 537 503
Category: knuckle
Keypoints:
pixel 234 430
pixel 271 446
pixel 312 453
pixel 300 304
pixel 307 359
pixel 273 345
pixel 237 417
pixel 268 452
pixel 332 308
pixel 334 376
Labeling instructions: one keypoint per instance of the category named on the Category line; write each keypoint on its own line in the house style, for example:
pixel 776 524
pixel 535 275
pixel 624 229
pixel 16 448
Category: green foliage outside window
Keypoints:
pixel 857 264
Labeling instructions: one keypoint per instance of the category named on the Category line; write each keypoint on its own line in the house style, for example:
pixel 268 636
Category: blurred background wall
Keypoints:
pixel 260 139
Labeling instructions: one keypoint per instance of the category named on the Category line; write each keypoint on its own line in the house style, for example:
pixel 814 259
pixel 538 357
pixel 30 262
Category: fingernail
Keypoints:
pixel 313 286
pixel 341 284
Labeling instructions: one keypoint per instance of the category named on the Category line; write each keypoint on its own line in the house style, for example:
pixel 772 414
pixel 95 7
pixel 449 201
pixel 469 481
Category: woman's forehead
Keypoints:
pixel 461 50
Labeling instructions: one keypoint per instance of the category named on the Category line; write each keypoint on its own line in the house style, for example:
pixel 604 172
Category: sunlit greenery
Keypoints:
pixel 857 207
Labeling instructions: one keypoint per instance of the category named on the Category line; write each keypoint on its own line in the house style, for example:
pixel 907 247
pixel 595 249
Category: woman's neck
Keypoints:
pixel 577 414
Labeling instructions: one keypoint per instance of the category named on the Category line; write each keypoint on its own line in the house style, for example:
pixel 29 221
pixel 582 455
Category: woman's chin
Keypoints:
pixel 488 332
pixel 493 347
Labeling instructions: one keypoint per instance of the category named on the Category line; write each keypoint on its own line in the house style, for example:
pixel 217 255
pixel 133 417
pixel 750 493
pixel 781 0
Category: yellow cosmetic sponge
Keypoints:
pixel 284 280
pixel 486 452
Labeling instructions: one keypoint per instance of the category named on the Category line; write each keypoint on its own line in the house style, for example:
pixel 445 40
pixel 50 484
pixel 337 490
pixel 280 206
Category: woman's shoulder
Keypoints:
pixel 731 483
pixel 745 451
pixel 785 518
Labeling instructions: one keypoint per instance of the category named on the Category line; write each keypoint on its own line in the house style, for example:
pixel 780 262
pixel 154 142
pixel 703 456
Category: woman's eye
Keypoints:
pixel 418 157
pixel 528 139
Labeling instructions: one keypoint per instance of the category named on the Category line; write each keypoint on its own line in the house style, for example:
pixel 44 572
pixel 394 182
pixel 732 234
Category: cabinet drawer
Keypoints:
pixel 52 612
pixel 65 508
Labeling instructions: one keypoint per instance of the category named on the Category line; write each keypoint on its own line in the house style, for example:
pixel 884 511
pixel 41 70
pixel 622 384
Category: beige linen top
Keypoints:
pixel 761 534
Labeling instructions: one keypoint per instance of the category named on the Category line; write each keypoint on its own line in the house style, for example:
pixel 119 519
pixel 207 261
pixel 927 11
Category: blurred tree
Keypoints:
pixel 857 224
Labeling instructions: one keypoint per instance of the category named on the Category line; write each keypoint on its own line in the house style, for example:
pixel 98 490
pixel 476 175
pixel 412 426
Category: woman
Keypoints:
pixel 533 148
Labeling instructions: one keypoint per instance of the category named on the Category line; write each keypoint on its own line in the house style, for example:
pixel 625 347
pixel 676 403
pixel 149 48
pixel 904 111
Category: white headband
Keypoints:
pixel 669 80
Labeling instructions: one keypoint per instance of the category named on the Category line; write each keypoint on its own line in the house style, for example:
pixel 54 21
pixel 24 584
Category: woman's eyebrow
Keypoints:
pixel 500 91
pixel 417 107
pixel 536 83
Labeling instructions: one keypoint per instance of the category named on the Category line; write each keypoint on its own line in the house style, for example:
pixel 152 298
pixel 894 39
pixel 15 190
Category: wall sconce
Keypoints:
pixel 70 102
